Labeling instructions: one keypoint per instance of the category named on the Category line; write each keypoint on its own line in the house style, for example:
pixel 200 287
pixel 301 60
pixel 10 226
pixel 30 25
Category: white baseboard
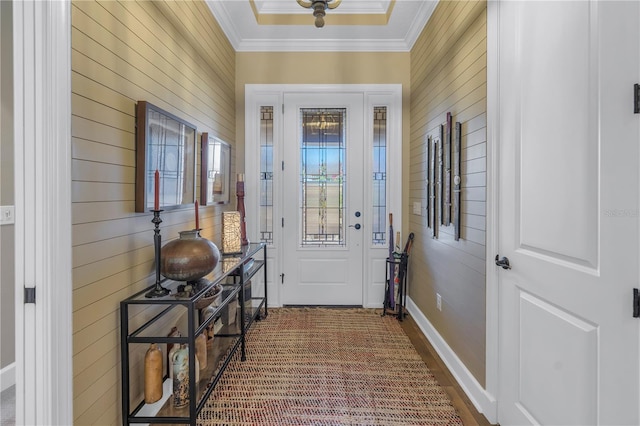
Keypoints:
pixel 484 402
pixel 8 376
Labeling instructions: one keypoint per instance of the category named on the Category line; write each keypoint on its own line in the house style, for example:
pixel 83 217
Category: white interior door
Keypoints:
pixel 568 211
pixel 323 199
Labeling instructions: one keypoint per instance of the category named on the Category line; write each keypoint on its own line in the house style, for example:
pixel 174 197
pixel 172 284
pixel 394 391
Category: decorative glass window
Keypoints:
pixel 266 174
pixel 322 177
pixel 379 175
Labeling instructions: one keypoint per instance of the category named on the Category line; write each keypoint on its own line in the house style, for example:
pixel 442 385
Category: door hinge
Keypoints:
pixel 636 98
pixel 636 303
pixel 29 295
pixel 283 222
pixel 282 278
pixel 283 108
pixel 283 165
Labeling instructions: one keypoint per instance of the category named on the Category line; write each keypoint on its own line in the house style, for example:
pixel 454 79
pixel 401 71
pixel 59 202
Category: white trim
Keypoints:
pixel 418 24
pixel 492 368
pixel 230 29
pixel 322 45
pixel 8 376
pixel 273 94
pixel 42 157
pixel 484 401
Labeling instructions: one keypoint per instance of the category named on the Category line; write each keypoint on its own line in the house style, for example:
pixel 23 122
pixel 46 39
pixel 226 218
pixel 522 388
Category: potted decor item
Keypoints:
pixel 180 363
pixel 189 257
pixel 153 374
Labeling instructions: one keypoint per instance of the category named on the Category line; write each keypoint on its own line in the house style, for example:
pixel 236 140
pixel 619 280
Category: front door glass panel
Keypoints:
pixel 322 177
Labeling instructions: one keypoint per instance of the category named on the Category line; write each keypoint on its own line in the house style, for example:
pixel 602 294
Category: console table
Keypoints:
pixel 149 320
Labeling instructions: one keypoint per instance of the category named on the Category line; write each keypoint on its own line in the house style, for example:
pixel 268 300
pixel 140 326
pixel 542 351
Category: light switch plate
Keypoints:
pixel 417 208
pixel 7 215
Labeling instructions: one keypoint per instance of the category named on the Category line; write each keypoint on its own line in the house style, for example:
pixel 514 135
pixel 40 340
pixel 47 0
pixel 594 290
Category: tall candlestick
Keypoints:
pixel 240 196
pixel 156 191
pixel 197 217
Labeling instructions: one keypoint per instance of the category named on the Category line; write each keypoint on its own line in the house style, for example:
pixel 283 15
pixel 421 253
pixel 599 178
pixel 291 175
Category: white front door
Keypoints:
pixel 568 206
pixel 323 199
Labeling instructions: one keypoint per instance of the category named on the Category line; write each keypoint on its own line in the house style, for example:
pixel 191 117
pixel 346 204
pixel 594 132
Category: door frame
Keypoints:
pixel 42 152
pixel 492 320
pixel 257 95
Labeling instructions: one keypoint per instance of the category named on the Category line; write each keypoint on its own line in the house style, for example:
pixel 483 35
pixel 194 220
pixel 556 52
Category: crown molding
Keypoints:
pixel 326 45
pixel 234 34
pixel 225 21
pixel 418 24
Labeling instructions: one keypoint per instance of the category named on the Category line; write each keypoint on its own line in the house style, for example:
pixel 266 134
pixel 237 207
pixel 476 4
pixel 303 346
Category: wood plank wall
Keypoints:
pixel 174 55
pixel 448 74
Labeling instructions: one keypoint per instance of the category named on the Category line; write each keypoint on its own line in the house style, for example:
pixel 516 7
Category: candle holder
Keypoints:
pixel 158 290
pixel 240 196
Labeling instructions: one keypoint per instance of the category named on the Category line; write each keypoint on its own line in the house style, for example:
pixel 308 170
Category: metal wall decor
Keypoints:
pixel 446 157
pixel 429 181
pixel 440 161
pixel 166 144
pixel 434 186
pixel 457 180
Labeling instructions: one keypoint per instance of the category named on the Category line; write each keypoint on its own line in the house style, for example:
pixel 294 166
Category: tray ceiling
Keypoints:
pixel 355 25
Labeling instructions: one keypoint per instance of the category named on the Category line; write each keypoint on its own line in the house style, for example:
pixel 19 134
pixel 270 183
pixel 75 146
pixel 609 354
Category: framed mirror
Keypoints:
pixel 215 172
pixel 167 144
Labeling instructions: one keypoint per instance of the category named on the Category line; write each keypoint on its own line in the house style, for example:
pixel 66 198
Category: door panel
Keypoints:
pixel 569 185
pixel 323 187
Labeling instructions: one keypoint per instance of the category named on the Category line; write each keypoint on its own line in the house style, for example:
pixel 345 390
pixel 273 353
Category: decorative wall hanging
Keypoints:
pixel 441 176
pixel 435 186
pixel 446 157
pixel 215 171
pixel 428 182
pixel 457 180
pixel 167 144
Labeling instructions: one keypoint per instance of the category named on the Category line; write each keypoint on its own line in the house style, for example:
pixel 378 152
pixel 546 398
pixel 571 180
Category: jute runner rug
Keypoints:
pixel 320 366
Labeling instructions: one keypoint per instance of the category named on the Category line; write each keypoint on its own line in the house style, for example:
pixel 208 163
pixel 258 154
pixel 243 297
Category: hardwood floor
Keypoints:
pixel 468 413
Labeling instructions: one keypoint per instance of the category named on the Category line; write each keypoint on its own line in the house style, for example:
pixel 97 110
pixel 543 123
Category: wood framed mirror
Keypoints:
pixel 166 143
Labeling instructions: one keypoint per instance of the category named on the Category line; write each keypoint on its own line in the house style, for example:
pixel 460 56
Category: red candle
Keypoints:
pixel 197 218
pixel 156 193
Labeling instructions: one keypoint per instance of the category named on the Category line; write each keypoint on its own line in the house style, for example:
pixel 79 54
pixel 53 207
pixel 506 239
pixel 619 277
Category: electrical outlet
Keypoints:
pixel 7 215
pixel 438 301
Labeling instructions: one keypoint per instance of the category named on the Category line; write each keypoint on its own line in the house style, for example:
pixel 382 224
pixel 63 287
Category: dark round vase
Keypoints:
pixel 189 257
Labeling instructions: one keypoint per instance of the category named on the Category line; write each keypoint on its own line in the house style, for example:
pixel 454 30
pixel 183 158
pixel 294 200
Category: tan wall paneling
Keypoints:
pixel 448 74
pixel 323 68
pixel 174 55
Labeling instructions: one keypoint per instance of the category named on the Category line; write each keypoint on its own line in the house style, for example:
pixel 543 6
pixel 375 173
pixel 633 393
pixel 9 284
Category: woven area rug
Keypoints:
pixel 321 366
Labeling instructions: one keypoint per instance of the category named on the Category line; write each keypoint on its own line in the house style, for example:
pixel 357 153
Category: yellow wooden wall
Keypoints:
pixel 448 74
pixel 123 52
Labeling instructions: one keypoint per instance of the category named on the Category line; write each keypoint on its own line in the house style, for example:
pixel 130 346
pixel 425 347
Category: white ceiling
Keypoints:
pixel 355 25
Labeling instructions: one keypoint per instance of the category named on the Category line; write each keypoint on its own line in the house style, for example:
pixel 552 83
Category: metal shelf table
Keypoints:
pixel 148 320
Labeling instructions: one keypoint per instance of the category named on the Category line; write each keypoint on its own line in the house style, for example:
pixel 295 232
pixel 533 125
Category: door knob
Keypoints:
pixel 503 263
pixel 357 226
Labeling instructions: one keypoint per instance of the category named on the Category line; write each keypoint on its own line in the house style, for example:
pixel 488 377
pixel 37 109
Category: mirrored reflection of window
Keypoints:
pixel 266 174
pixel 322 178
pixel 217 158
pixel 379 182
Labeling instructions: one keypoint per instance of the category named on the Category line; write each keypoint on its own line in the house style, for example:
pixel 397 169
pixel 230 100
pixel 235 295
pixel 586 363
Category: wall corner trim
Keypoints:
pixel 8 376
pixel 484 402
